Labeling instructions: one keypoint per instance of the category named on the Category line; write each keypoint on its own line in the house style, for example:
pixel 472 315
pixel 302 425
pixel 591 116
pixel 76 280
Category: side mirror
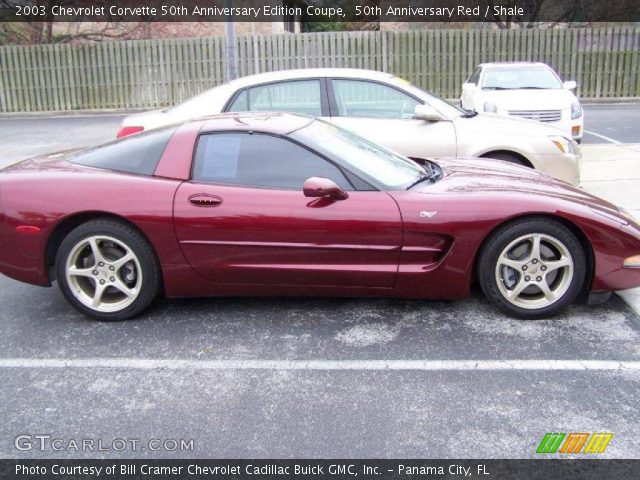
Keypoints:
pixel 570 85
pixel 323 187
pixel 428 113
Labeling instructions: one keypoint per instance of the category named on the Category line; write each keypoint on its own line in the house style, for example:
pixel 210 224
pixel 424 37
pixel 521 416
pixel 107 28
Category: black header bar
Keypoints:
pixel 518 11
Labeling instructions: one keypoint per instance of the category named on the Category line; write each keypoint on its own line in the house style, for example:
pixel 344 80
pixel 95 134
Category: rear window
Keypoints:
pixel 137 154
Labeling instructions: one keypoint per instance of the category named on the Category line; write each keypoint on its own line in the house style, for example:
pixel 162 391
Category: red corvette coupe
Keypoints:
pixel 279 204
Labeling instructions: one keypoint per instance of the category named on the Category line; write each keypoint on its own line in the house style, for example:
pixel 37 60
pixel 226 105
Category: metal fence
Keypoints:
pixel 157 73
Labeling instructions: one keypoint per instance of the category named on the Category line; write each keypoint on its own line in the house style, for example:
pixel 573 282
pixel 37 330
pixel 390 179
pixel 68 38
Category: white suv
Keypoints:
pixel 526 90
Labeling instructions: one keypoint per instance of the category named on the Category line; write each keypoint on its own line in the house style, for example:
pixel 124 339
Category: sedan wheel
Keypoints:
pixel 107 270
pixel 506 157
pixel 532 268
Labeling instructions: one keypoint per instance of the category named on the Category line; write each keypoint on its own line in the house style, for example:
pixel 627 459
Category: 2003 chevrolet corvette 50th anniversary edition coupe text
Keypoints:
pixel 280 204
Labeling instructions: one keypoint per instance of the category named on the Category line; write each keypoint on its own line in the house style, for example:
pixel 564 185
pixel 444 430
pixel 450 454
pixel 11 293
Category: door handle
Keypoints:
pixel 205 200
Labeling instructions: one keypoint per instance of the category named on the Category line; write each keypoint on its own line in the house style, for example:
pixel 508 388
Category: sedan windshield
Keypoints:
pixel 368 160
pixel 430 98
pixel 515 78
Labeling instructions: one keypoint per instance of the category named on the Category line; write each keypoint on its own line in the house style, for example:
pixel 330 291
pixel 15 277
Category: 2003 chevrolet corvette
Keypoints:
pixel 280 204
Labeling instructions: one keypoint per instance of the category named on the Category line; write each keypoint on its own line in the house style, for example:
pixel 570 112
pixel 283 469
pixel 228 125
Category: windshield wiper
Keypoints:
pixel 497 88
pixel 420 180
pixel 431 175
pixel 532 88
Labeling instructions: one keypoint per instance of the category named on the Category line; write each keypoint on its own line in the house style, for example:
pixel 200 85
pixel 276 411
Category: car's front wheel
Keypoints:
pixel 532 268
pixel 107 270
pixel 507 157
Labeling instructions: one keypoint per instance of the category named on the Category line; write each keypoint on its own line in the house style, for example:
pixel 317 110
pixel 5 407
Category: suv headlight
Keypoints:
pixel 563 144
pixel 490 107
pixel 576 110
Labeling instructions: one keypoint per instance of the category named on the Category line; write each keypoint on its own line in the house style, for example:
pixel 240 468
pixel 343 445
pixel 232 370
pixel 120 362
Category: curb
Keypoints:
pixel 127 111
pixel 611 101
pixel 74 113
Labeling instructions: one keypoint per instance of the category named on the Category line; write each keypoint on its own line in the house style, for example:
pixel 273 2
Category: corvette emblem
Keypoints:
pixel 425 214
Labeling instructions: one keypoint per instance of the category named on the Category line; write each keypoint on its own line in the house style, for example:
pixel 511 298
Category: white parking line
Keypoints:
pixel 608 139
pixel 426 365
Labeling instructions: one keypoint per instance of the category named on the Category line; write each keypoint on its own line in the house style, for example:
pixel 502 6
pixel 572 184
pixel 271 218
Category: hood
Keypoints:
pixel 529 99
pixel 486 176
pixel 490 123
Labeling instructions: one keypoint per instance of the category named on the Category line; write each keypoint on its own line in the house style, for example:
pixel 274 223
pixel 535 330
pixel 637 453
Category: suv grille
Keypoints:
pixel 539 115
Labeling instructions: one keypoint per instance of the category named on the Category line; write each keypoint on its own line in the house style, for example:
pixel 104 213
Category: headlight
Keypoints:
pixel 576 110
pixel 490 107
pixel 563 144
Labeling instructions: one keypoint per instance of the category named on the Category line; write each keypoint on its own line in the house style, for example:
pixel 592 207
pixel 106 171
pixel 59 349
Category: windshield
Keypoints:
pixel 372 162
pixel 431 98
pixel 514 78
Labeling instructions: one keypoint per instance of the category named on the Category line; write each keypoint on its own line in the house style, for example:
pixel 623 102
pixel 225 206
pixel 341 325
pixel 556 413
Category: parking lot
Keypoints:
pixel 302 377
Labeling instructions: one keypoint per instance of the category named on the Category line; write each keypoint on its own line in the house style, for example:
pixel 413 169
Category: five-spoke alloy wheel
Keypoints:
pixel 532 268
pixel 107 270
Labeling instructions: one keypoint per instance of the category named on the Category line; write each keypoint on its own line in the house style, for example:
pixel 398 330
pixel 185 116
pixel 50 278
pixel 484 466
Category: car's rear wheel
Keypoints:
pixel 107 270
pixel 532 268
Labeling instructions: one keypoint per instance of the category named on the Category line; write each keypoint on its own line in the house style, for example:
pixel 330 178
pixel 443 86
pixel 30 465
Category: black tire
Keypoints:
pixel 505 236
pixel 507 157
pixel 145 260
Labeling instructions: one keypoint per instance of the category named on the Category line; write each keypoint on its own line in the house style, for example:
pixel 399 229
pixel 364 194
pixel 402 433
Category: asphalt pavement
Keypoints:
pixel 607 123
pixel 260 378
pixel 303 377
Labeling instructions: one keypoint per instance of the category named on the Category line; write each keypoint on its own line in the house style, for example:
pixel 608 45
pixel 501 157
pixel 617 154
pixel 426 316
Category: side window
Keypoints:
pixel 300 96
pixel 357 98
pixel 475 76
pixel 259 160
pixel 136 154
